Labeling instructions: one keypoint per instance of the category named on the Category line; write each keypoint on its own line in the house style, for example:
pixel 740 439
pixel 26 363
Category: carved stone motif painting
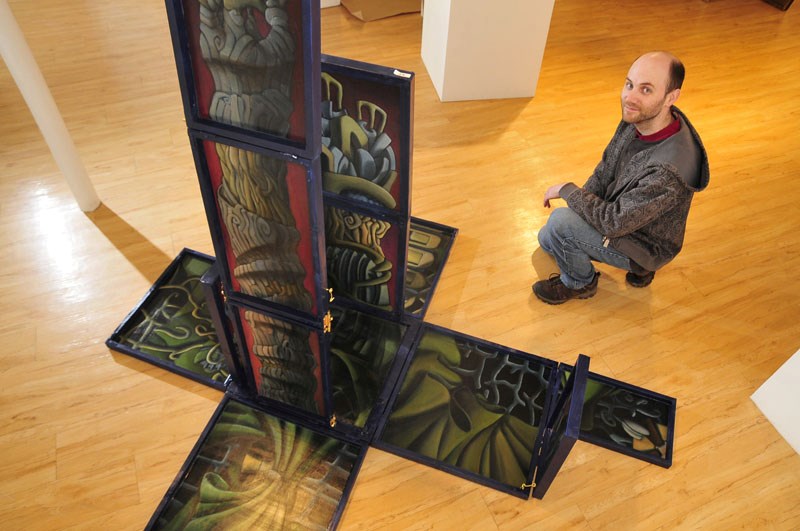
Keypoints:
pixel 366 133
pixel 285 359
pixel 262 203
pixel 363 350
pixel 247 64
pixel 362 253
pixel 256 471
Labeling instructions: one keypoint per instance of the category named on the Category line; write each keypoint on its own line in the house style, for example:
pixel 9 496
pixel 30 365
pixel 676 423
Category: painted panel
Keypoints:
pixel 364 254
pixel 262 212
pixel 363 351
pixel 285 359
pixel 630 420
pixel 244 69
pixel 470 406
pixel 172 327
pixel 366 133
pixel 253 470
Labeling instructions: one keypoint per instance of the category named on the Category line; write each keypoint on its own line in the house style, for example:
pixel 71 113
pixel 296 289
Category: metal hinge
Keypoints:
pixel 332 421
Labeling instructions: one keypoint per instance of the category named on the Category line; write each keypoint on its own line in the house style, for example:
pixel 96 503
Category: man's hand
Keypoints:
pixel 552 193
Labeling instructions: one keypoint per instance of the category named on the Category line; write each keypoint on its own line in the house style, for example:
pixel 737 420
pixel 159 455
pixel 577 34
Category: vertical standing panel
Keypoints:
pixel 367 133
pixel 172 326
pixel 562 428
pixel 248 71
pixel 264 210
pixel 365 255
pixel 285 361
pixel 366 119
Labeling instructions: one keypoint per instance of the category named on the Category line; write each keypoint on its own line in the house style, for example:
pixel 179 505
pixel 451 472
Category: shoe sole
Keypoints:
pixel 583 296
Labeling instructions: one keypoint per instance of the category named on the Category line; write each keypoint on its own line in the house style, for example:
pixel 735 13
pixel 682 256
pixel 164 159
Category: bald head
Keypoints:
pixel 665 62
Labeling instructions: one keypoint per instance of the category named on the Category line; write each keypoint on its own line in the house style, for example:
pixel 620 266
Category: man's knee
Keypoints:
pixel 561 222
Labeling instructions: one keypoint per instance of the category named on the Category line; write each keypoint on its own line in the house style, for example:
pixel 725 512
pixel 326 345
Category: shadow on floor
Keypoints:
pixel 137 249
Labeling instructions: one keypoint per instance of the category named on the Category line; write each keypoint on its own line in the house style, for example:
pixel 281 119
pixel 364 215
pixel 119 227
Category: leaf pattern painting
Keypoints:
pixel 471 406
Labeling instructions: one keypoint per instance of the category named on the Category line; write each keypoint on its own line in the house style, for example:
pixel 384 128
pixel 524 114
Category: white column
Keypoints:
pixel 474 49
pixel 19 59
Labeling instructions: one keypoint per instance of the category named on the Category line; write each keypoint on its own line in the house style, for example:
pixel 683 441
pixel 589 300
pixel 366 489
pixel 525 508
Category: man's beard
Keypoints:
pixel 642 114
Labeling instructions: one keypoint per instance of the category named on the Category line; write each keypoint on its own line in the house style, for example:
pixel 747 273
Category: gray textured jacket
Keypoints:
pixel 643 211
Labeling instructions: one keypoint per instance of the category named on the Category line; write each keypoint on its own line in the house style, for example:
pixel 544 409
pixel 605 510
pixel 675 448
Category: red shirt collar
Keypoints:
pixel 665 133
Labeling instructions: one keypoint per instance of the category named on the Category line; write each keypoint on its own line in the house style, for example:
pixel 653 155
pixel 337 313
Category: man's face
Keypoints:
pixel 644 95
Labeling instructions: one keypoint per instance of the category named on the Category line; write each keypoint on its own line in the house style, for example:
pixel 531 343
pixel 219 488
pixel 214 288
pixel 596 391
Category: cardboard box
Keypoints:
pixel 367 10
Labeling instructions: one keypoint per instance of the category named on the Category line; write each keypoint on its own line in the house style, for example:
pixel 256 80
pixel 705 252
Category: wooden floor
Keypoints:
pixel 90 439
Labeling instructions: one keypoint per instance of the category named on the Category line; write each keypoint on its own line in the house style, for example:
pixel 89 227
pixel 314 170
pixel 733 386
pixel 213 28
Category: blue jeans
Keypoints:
pixel 574 244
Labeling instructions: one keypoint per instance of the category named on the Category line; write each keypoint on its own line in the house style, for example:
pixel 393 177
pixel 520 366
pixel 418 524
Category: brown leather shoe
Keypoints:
pixel 639 277
pixel 553 291
pixel 639 280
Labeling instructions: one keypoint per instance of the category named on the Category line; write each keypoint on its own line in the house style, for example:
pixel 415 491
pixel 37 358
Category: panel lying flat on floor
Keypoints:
pixel 171 326
pixel 629 420
pixel 470 407
pixel 254 470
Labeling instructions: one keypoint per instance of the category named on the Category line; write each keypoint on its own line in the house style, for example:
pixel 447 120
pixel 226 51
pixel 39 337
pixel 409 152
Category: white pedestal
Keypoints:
pixel 475 49
pixel 778 398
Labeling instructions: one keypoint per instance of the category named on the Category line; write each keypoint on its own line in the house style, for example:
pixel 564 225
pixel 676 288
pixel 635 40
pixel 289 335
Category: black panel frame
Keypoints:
pixel 566 404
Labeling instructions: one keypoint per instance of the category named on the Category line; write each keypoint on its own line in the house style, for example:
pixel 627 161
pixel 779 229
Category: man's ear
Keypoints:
pixel 672 97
